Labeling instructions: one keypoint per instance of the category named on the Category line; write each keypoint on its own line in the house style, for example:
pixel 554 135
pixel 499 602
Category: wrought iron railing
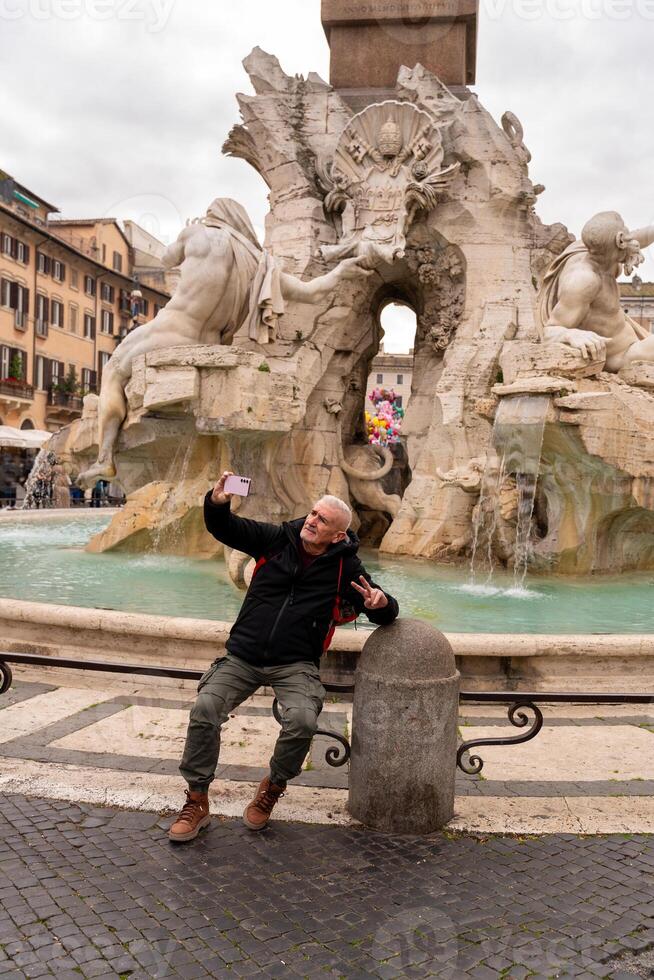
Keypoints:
pixel 16 389
pixel 64 399
pixel 520 704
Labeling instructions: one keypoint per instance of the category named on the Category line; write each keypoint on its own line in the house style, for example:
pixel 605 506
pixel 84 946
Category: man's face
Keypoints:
pixel 324 526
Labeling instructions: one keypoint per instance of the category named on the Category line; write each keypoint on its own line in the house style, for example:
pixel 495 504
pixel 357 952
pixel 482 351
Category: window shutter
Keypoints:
pixel 47 372
pixel 26 254
pixel 92 328
pixel 13 295
pixel 46 310
pixel 26 300
pixel 94 379
pixel 63 271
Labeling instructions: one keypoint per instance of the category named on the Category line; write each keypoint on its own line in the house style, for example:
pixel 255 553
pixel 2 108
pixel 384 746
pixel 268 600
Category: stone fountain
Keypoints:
pixel 390 183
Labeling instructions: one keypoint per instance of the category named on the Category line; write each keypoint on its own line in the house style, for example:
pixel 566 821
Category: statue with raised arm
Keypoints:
pixel 227 282
pixel 579 302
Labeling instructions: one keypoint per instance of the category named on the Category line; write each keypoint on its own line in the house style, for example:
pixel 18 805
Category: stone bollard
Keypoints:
pixel 404 727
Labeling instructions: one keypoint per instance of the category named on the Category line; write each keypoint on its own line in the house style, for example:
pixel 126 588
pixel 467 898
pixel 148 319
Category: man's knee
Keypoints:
pixel 207 711
pixel 300 722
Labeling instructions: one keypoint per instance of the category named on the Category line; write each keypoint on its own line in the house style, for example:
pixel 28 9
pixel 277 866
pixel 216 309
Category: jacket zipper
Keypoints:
pixel 288 601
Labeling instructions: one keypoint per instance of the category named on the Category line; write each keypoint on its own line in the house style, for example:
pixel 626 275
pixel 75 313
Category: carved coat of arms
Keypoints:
pixel 386 168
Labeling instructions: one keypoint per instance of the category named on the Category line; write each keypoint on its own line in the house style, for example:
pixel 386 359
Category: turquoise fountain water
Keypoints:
pixel 44 561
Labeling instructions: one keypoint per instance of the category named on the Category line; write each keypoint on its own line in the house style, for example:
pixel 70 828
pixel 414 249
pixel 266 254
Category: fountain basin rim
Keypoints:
pixel 208 630
pixel 55 514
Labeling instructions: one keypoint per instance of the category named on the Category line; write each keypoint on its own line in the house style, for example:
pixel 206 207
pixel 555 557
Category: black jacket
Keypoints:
pixel 286 613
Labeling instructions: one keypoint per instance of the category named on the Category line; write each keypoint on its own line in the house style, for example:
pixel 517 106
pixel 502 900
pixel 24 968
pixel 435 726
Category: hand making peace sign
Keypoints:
pixel 372 598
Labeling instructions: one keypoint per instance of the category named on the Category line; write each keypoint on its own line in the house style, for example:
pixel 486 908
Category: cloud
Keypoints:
pixel 101 110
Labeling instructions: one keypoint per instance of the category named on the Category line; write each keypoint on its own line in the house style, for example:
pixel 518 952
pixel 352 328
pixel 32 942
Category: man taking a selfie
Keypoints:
pixel 307 574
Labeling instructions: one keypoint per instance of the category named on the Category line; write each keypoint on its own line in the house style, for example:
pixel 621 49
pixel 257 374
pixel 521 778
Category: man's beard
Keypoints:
pixel 634 257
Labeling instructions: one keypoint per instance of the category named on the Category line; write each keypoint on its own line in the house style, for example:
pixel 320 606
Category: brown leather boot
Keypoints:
pixel 193 816
pixel 257 813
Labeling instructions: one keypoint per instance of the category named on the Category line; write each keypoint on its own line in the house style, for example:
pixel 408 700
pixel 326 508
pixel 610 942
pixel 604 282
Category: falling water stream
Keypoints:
pixel 175 477
pixel 38 486
pixel 516 446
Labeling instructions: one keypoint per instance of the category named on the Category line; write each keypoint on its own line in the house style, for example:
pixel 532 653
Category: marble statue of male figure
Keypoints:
pixel 226 282
pixel 579 303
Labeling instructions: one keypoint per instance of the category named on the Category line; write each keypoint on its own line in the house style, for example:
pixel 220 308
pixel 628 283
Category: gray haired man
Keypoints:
pixel 303 567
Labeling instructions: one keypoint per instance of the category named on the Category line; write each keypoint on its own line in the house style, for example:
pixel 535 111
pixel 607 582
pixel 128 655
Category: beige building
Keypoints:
pixel 637 299
pixel 391 371
pixel 66 299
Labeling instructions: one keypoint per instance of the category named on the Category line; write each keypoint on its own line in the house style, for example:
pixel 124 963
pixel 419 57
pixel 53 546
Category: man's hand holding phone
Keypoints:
pixel 228 485
pixel 218 495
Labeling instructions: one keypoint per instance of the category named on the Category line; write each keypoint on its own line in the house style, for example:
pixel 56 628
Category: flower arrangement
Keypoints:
pixel 384 426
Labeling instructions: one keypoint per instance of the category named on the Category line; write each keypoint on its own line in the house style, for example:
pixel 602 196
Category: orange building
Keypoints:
pixel 66 299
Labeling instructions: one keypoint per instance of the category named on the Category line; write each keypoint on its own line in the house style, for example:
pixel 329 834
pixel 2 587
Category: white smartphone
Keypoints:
pixel 238 484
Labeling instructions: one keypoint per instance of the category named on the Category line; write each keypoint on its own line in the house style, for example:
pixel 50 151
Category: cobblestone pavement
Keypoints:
pixel 98 892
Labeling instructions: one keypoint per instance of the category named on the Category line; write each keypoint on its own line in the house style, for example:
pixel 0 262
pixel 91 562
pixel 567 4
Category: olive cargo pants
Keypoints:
pixel 227 683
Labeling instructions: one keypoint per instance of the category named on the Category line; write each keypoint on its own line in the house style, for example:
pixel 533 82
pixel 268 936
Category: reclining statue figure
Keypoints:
pixel 579 301
pixel 226 282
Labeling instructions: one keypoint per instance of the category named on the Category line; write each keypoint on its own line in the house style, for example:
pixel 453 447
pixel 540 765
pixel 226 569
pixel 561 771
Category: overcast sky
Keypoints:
pixel 120 107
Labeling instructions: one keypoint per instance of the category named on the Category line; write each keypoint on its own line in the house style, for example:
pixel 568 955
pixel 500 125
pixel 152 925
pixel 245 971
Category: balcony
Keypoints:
pixel 62 406
pixel 15 395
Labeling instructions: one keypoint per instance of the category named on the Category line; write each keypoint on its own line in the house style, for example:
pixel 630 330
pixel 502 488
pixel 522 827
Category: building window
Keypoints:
pixel 14 296
pixel 43 264
pixel 88 380
pixel 13 358
pixel 74 278
pixel 104 252
pixel 400 379
pixel 107 323
pixel 103 358
pixel 57 314
pixel 380 379
pixel 6 244
pixel 58 270
pixel 39 372
pixel 89 326
pixel 398 401
pixel 107 292
pixel 21 251
pixel 42 315
pixel 118 262
pixel 73 318
pixel 89 285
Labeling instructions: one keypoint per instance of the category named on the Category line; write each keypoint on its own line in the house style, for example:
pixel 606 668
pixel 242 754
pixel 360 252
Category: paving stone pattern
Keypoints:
pixel 97 892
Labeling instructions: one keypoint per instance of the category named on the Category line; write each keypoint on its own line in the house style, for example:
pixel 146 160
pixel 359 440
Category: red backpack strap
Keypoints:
pixel 261 561
pixel 336 610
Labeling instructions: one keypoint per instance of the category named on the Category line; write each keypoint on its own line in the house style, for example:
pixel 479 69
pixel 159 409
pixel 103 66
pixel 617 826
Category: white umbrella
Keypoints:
pixel 22 438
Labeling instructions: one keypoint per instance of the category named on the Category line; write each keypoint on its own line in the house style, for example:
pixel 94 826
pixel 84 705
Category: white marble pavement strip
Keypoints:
pixel 161 794
pixel 30 715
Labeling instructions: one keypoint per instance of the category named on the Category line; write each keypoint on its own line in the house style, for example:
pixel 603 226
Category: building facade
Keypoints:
pixel 391 371
pixel 637 299
pixel 67 296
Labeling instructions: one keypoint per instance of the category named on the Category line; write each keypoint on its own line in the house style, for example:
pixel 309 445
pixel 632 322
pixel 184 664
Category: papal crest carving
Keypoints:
pixel 386 168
